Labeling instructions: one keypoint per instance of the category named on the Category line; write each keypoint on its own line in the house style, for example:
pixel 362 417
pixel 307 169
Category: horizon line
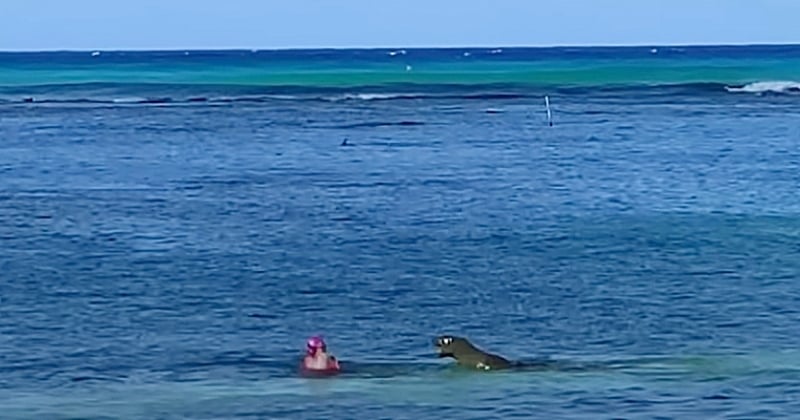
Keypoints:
pixel 416 47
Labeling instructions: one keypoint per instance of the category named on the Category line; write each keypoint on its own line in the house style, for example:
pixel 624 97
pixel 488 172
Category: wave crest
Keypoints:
pixel 767 87
pixel 153 94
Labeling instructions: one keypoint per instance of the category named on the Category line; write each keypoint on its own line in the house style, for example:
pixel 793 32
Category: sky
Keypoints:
pixel 267 24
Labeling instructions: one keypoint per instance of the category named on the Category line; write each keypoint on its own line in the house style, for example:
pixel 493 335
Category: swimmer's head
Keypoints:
pixel 315 344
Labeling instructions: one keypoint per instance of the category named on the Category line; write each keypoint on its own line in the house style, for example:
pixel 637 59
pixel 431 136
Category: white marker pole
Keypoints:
pixel 549 114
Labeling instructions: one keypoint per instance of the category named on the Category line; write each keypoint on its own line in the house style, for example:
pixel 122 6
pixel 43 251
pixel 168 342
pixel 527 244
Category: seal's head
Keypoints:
pixel 451 346
pixel 315 344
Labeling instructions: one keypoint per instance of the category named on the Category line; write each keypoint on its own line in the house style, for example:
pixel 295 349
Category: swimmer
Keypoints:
pixel 317 358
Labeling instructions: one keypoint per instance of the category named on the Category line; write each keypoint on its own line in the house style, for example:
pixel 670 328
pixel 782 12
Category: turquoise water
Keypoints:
pixel 174 226
pixel 552 67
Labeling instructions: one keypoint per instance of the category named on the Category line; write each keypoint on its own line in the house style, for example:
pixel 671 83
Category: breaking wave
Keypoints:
pixel 166 94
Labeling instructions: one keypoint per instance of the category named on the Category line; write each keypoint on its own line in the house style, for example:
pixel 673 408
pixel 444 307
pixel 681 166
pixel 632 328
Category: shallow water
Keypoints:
pixel 164 260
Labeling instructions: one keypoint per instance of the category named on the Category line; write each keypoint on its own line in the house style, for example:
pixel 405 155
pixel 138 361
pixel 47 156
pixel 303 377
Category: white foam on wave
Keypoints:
pixel 128 100
pixel 282 97
pixel 374 96
pixel 778 86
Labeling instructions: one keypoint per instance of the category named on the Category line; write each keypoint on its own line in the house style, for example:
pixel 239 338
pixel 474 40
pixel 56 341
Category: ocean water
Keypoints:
pixel 173 225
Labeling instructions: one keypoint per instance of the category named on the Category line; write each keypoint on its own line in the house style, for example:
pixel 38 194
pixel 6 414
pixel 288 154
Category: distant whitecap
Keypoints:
pixel 777 86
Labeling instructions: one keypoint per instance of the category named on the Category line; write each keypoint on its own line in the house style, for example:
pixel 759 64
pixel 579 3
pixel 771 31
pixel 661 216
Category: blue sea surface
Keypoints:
pixel 172 231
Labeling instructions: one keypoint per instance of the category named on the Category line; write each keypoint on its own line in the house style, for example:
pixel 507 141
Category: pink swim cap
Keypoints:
pixel 315 343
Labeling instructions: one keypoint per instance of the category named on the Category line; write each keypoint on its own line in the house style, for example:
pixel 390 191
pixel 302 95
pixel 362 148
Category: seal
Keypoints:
pixel 466 354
